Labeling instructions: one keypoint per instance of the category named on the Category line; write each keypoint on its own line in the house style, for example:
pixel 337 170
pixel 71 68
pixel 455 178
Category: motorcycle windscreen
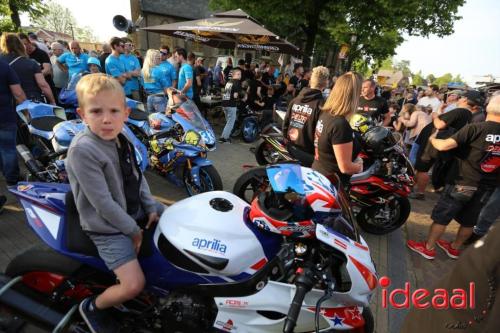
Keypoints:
pixel 187 112
pixel 285 178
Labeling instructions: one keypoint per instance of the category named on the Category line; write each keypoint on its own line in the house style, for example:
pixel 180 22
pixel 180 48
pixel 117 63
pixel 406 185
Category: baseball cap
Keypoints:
pixel 474 96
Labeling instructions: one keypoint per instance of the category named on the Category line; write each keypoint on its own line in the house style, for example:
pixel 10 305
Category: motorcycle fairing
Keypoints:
pixel 266 311
pixel 359 265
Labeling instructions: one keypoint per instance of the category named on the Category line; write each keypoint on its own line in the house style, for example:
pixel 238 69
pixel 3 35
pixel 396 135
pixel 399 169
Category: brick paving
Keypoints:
pixel 389 252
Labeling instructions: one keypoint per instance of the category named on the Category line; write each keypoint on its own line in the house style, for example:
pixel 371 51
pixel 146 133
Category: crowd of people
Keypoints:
pixel 453 133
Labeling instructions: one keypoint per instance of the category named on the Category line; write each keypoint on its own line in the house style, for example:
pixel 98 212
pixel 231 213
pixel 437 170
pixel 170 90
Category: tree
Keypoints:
pixel 418 79
pixel 378 25
pixel 60 19
pixel 57 18
pixel 430 79
pixel 14 8
pixel 443 80
pixel 458 78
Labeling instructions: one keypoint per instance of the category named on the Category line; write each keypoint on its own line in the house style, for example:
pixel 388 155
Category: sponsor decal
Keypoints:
pixel 299 228
pixel 495 138
pixel 214 245
pixel 227 326
pixel 24 188
pixel 236 303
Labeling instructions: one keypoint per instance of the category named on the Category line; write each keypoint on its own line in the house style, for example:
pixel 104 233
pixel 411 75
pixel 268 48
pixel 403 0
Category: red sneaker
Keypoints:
pixel 420 248
pixel 446 246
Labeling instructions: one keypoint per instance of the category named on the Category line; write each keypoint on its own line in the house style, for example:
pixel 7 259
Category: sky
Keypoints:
pixel 473 50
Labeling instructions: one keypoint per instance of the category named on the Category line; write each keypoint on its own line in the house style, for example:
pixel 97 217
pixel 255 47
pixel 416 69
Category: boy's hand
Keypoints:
pixel 152 218
pixel 137 240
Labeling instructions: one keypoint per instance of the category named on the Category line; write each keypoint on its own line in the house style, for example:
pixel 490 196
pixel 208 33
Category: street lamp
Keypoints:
pixel 354 38
pixel 72 32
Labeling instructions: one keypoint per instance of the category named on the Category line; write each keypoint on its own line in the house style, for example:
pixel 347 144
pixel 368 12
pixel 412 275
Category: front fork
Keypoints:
pixel 194 166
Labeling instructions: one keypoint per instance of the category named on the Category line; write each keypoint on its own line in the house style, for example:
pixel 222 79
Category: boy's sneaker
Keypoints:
pixel 446 246
pixel 3 200
pixel 222 140
pixel 97 320
pixel 421 249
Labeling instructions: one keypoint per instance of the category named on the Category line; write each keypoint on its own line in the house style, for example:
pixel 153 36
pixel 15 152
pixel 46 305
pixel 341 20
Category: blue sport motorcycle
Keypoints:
pixel 178 144
pixel 290 262
pixel 44 138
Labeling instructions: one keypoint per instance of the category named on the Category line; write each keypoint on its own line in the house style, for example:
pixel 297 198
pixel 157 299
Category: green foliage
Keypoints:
pixel 58 19
pixel 418 79
pixel 14 8
pixel 378 24
pixel 430 79
pixel 443 80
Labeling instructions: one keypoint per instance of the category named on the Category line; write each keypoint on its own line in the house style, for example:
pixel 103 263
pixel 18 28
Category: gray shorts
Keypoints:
pixel 116 250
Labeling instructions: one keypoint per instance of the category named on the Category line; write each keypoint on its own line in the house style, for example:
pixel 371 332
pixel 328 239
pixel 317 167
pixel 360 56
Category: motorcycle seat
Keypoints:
pixel 78 241
pixel 138 115
pixel 45 123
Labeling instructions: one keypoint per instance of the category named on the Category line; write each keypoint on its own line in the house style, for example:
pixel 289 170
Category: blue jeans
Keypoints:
pixel 156 103
pixel 8 154
pixel 413 153
pixel 489 214
pixel 230 113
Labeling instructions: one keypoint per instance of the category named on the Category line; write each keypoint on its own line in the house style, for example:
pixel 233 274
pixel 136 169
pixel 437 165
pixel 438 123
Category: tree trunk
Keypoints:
pixel 311 29
pixel 14 16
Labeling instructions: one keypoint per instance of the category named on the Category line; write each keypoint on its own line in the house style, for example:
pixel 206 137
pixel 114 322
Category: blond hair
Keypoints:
pixel 92 84
pixel 319 77
pixel 10 43
pixel 344 98
pixel 152 59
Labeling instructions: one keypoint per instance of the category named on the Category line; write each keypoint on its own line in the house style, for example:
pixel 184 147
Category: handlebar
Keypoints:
pixel 304 283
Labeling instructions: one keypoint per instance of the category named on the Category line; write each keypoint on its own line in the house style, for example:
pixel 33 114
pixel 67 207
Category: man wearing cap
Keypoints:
pixel 477 147
pixel 166 66
pixel 74 62
pixel 447 124
pixel 451 101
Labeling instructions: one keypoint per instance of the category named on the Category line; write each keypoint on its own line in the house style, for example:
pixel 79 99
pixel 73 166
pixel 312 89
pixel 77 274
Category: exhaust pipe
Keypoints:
pixel 37 311
pixel 34 166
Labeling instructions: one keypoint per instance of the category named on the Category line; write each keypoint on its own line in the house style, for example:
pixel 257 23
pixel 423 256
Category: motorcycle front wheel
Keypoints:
pixel 209 180
pixel 381 220
pixel 251 183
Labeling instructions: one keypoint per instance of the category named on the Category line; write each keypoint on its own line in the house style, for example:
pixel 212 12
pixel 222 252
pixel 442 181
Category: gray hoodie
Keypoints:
pixel 96 181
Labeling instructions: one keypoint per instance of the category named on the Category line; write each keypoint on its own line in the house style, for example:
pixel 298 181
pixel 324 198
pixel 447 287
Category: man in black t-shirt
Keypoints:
pixel 478 149
pixel 302 115
pixel 369 103
pixel 106 51
pixel 230 100
pixel 294 83
pixel 42 58
pixel 450 123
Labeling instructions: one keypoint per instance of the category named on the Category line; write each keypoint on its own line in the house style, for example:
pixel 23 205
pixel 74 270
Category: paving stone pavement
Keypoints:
pixel 389 252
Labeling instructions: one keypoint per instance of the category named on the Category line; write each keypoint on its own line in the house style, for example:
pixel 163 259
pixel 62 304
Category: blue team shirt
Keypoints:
pixel 116 67
pixel 158 81
pixel 75 64
pixel 131 64
pixel 185 73
pixel 169 72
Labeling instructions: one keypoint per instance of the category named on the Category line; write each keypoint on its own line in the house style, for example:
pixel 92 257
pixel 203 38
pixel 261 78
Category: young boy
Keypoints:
pixel 110 193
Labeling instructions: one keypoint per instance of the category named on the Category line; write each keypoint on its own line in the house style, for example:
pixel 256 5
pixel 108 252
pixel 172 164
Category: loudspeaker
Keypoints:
pixel 248 58
pixel 122 24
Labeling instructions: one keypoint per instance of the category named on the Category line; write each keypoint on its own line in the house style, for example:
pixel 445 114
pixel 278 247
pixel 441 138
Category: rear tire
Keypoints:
pixel 366 221
pixel 265 154
pixel 209 180
pixel 251 183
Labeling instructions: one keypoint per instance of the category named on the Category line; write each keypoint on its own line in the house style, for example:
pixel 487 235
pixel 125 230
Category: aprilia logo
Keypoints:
pixel 495 138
